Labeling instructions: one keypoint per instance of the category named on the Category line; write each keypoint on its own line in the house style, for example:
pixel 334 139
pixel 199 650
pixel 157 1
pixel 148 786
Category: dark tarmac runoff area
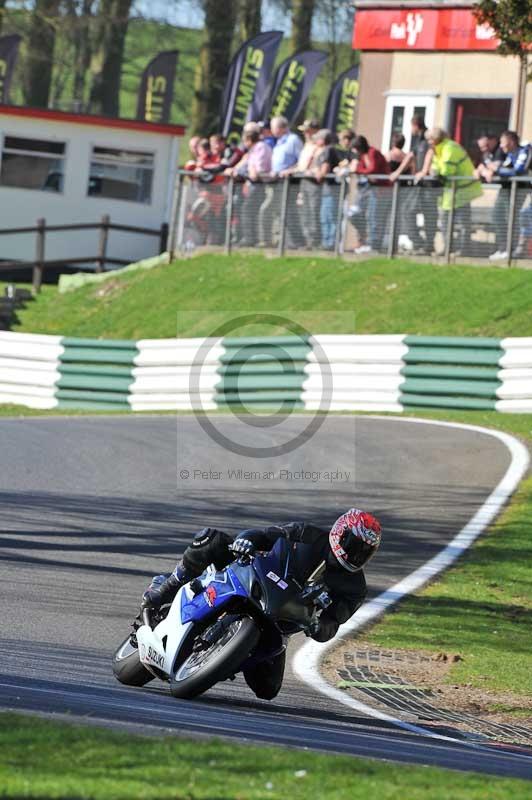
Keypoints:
pixel 93 507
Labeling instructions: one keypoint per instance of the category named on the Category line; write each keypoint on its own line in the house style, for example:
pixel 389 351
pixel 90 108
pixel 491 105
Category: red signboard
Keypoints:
pixel 421 29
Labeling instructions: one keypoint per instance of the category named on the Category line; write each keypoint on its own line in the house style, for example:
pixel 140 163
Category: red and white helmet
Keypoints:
pixel 354 538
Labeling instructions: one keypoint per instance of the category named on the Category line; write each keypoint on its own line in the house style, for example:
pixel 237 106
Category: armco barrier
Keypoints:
pixel 367 373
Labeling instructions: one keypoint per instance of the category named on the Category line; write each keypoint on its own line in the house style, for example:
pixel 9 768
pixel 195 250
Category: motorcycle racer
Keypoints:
pixel 339 554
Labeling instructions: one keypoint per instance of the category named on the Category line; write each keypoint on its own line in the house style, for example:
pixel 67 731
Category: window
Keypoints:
pixel 398 121
pixel 32 164
pixel 121 174
pixel 399 111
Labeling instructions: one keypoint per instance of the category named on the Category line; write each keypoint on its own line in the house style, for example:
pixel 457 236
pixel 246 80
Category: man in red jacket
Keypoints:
pixel 370 213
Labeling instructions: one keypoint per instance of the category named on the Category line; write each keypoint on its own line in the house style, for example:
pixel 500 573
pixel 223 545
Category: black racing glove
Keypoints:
pixel 243 547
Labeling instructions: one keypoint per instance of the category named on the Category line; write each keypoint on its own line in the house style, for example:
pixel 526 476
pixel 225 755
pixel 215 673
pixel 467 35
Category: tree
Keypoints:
pixel 81 13
pixel 302 15
pixel 106 66
pixel 213 65
pixel 250 13
pixel 512 22
pixel 40 55
pixel 2 12
pixel 301 39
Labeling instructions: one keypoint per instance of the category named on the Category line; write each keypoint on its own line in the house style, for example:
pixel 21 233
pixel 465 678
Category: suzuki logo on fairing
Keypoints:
pixel 155 657
pixel 409 30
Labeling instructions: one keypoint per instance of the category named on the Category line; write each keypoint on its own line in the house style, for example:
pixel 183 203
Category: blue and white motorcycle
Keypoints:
pixel 223 622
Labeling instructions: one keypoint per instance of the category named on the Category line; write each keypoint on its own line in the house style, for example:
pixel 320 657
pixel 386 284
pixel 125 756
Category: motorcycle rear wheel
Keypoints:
pixel 205 668
pixel 127 666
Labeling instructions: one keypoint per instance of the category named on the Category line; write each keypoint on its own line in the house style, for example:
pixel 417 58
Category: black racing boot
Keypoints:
pixel 161 590
pixel 160 593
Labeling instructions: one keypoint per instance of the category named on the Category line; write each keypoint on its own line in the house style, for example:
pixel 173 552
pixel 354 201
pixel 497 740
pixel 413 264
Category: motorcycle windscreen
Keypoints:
pixel 280 591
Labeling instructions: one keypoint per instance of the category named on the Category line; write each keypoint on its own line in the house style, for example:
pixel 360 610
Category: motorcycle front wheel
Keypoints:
pixel 127 666
pixel 205 667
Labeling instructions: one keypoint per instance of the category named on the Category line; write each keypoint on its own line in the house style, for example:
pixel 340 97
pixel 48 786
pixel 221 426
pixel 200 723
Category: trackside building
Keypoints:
pixel 74 168
pixel 433 58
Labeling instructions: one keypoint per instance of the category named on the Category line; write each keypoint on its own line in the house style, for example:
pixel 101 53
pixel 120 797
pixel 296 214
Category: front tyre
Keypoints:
pixel 127 666
pixel 203 668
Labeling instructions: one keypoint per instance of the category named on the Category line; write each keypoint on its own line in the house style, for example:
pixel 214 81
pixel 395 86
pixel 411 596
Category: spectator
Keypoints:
pixel 419 199
pixel 307 153
pixel 491 156
pixel 515 163
pixel 207 210
pixel 450 160
pixel 193 150
pixel 257 166
pixel 287 148
pixel 395 155
pixel 204 154
pixel 285 155
pixel 345 139
pixel 266 133
pixel 370 214
pixel 226 155
pixel 327 159
pixel 210 211
pixel 308 198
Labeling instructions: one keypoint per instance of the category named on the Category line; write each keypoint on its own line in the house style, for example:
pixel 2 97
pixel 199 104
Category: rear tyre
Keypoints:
pixel 203 669
pixel 127 666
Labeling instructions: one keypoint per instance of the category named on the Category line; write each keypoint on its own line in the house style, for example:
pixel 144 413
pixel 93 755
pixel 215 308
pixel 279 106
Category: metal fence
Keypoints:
pixel 354 214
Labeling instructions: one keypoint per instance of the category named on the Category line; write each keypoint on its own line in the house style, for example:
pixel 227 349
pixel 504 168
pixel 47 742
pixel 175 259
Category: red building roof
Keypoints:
pixel 92 119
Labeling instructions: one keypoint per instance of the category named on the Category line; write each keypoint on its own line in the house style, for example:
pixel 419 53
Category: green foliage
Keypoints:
pixel 377 296
pixel 44 759
pixel 511 20
pixel 144 39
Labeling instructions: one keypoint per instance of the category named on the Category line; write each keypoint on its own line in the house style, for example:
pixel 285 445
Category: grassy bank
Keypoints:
pixel 43 759
pixel 326 294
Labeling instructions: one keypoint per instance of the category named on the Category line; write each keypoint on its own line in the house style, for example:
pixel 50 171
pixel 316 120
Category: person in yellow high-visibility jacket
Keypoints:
pixel 450 160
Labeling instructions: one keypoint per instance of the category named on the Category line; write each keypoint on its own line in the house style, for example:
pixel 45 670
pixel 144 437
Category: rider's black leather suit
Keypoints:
pixel 311 549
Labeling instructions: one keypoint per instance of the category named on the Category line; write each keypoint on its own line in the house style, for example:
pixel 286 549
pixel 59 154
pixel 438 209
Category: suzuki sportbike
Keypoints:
pixel 224 622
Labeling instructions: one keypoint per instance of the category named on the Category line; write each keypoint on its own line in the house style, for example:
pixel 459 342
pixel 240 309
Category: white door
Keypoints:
pixel 400 108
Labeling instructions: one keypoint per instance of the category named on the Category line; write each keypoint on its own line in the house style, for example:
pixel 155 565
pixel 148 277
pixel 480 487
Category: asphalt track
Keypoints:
pixel 93 507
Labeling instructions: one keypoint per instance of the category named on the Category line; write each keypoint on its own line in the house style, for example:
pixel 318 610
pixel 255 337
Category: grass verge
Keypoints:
pixel 482 607
pixel 44 759
pixel 376 296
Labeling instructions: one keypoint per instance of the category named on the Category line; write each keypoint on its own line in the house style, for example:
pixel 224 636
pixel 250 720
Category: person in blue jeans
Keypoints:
pixel 326 160
pixel 516 163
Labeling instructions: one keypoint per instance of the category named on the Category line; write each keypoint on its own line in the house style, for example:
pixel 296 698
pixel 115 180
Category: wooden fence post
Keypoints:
pixel 38 267
pixel 102 249
pixel 163 238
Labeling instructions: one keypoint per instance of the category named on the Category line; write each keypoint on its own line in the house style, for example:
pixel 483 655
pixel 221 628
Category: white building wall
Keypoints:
pixel 22 207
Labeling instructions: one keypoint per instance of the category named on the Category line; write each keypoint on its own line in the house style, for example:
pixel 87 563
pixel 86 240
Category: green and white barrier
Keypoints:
pixel 340 373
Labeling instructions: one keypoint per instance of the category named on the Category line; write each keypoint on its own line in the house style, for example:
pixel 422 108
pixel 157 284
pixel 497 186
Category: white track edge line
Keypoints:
pixel 305 663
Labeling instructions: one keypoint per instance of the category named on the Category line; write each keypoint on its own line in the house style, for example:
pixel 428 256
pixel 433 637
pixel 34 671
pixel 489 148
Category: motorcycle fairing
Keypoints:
pixel 219 587
pixel 159 646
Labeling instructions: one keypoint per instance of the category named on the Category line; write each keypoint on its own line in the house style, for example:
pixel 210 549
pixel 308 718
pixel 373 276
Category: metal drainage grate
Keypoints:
pixel 365 671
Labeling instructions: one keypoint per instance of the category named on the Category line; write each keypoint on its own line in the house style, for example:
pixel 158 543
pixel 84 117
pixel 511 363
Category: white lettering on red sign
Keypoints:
pixel 408 30
pixel 484 33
